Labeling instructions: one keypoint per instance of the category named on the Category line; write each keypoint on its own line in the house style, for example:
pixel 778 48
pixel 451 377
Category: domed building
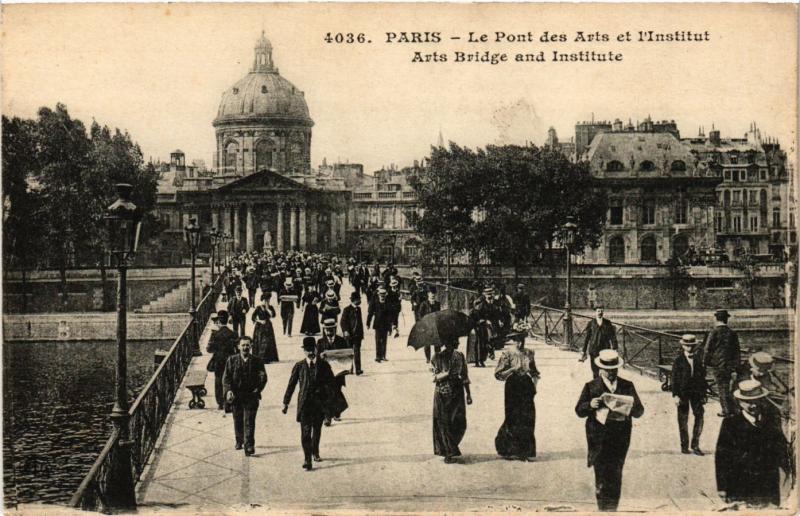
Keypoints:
pixel 263 123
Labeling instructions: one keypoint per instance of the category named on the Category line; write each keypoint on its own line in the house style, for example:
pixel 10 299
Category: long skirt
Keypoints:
pixel 310 325
pixel 516 437
pixel 449 421
pixel 264 345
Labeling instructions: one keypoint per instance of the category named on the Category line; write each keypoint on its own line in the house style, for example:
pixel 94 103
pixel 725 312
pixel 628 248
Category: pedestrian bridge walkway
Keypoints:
pixel 380 456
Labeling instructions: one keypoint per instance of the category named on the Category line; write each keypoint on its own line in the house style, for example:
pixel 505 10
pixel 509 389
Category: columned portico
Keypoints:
pixel 236 227
pixel 249 227
pixel 302 224
pixel 292 227
pixel 279 236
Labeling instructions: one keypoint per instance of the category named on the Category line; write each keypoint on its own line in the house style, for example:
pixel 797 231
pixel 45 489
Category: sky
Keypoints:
pixel 158 71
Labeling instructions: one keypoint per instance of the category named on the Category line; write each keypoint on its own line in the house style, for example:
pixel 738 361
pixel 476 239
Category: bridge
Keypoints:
pixel 380 456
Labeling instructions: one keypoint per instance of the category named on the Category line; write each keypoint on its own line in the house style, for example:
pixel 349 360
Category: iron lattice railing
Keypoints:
pixel 148 412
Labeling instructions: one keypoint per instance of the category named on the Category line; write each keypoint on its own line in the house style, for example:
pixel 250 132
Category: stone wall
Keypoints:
pixel 98 326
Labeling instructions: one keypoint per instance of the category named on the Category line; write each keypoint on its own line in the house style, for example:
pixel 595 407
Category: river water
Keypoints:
pixel 57 397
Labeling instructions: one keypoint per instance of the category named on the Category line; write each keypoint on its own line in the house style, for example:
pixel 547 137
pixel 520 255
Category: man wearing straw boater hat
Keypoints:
pixel 689 391
pixel 608 403
pixel 722 357
pixel 750 451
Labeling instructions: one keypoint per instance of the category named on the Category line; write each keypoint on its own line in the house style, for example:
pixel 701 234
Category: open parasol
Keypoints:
pixel 438 327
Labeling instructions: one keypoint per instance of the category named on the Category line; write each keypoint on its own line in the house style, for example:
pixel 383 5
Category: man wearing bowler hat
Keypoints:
pixel 237 311
pixel 600 334
pixel 243 380
pixel 689 391
pixel 722 356
pixel 221 345
pixel 750 451
pixel 608 403
pixel 352 325
pixel 380 316
pixel 316 380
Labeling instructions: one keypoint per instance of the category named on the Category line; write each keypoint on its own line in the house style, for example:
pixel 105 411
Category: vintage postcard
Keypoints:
pixel 399 258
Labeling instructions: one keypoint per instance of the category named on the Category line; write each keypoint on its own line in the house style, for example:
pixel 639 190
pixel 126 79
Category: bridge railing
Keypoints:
pixel 147 413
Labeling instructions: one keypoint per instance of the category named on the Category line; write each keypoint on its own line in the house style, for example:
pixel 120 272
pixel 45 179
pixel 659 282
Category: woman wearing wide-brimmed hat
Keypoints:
pixel 329 308
pixel 449 402
pixel 311 300
pixel 517 368
pixel 264 346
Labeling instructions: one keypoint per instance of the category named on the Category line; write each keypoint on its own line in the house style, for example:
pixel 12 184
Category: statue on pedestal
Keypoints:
pixel 267 241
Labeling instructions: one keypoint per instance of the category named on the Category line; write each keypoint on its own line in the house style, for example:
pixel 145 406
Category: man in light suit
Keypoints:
pixel 608 433
pixel 600 334
pixel 316 383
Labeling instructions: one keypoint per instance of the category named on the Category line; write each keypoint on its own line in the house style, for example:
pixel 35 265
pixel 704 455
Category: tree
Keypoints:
pixel 508 202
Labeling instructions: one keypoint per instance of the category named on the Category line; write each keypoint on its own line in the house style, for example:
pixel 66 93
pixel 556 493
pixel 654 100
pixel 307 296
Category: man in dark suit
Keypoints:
pixel 329 341
pixel 237 309
pixel 394 298
pixel 600 334
pixel 689 390
pixel 316 380
pixel 429 306
pixel 221 345
pixel 353 328
pixel 722 356
pixel 380 317
pixel 608 432
pixel 522 303
pixel 750 451
pixel 243 380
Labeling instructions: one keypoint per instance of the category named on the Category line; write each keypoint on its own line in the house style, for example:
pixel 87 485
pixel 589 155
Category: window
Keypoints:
pixel 388 217
pixel 743 176
pixel 615 166
pixel 647 166
pixel 231 151
pixel 763 174
pixel 737 223
pixel 734 158
pixel 727 175
pixel 648 249
pixel 682 211
pixel 718 224
pixel 791 220
pixel 649 212
pixel 737 197
pixel 264 154
pixel 753 197
pixel 753 223
pixel 616 215
pixel 263 89
pixel 776 217
pixel 727 197
pixel 680 246
pixel 792 237
pixel 719 198
pixel 735 175
pixel 678 166
pixel 616 250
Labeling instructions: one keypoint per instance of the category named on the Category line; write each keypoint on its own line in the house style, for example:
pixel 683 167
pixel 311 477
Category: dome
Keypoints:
pixel 261 95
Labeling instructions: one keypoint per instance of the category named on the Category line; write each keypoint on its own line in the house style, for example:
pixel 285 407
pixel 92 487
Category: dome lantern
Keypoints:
pixel 263 58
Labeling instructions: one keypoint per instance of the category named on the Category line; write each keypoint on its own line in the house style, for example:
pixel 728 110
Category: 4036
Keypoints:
pixel 346 37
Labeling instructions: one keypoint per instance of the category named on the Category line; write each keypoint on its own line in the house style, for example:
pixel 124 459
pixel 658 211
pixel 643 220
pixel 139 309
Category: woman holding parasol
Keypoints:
pixel 517 368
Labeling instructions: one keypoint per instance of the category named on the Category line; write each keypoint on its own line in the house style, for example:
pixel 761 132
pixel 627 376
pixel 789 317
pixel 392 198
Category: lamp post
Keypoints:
pixel 394 246
pixel 448 239
pixel 123 221
pixel 360 248
pixel 214 236
pixel 569 229
pixel 192 233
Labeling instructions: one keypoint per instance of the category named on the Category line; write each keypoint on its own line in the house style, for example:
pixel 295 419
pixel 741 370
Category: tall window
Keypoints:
pixel 776 217
pixel 231 153
pixel 264 153
pixel 649 211
pixel 615 213
pixel 648 249
pixel 682 211
pixel 735 175
pixel 616 250
pixel 737 223
pixel 753 197
pixel 753 223
pixel 718 222
pixel 727 198
pixel 737 197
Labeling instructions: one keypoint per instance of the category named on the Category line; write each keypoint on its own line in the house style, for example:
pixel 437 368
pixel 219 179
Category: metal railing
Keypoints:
pixel 147 413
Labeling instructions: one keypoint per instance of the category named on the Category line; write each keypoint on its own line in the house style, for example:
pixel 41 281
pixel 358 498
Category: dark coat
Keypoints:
pixel 238 308
pixel 612 438
pixel 245 380
pixel 522 304
pixel 747 460
pixel 315 389
pixel 222 344
pixel 380 316
pixel 338 343
pixel 352 322
pixel 599 336
pixel 722 349
pixel 426 308
pixel 687 384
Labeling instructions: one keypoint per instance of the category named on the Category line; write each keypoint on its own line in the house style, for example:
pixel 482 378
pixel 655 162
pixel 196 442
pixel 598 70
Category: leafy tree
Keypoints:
pixel 508 202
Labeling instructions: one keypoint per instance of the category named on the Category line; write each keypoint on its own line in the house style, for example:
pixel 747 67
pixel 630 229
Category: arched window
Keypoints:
pixel 264 153
pixel 678 166
pixel 231 153
pixel 616 250
pixel 680 245
pixel 648 249
pixel 647 166
pixel 615 166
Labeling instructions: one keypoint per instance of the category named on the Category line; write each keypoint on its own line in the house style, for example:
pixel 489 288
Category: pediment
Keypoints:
pixel 263 181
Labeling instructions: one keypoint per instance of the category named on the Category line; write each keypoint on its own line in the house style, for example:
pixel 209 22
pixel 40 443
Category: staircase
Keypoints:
pixel 177 299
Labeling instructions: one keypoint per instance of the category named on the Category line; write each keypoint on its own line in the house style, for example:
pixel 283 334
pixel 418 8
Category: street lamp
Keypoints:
pixel 192 234
pixel 123 221
pixel 569 229
pixel 214 236
pixel 360 248
pixel 394 246
pixel 448 239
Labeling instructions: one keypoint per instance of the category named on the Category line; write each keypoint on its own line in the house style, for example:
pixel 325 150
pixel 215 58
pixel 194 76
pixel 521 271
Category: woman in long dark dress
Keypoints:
pixel 264 345
pixel 449 408
pixel 517 368
pixel 310 325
